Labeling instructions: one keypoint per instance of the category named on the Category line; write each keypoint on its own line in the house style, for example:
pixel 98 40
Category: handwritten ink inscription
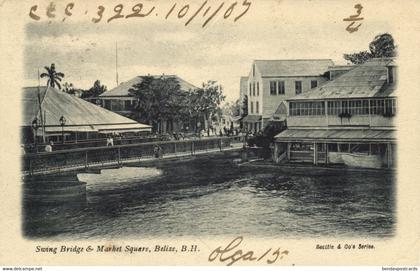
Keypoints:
pixel 353 18
pixel 232 254
pixel 184 12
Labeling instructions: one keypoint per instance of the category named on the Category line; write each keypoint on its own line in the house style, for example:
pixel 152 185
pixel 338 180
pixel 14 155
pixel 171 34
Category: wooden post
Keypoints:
pixel 370 148
pixel 119 155
pixel 288 151
pixel 389 155
pixel 86 159
pixel 315 154
pixel 192 148
pixel 326 113
pixel 326 153
pixel 220 144
pixel 370 114
pixel 30 167
pixel 276 152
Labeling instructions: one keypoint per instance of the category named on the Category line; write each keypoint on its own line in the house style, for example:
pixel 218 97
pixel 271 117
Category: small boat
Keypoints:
pixel 362 160
pixel 335 157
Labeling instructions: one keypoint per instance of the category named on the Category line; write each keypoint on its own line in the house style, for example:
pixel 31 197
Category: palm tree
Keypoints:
pixel 54 77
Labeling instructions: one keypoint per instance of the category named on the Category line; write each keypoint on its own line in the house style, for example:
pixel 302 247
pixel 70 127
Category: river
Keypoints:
pixel 211 197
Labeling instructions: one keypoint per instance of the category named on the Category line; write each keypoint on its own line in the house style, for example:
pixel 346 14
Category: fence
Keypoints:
pixel 43 162
pixel 89 143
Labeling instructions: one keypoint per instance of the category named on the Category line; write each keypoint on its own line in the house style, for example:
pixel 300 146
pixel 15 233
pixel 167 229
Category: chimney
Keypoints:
pixel 391 74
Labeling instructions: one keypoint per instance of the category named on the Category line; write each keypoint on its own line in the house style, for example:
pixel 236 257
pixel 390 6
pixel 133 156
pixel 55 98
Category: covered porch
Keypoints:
pixel 252 123
pixel 355 147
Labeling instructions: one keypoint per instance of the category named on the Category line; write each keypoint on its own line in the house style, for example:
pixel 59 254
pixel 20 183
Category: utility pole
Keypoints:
pixel 116 62
pixel 40 107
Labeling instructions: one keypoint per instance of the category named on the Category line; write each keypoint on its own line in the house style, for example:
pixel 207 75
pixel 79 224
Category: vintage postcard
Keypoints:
pixel 210 132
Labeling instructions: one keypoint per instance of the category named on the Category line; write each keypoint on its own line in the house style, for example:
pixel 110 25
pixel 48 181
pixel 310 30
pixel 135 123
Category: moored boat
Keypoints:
pixel 362 160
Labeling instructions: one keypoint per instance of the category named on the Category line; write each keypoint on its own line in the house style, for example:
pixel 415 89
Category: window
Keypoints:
pixel 250 89
pixel 353 107
pixel 127 105
pixel 298 87
pixel 273 87
pixel 307 108
pixel 253 70
pixel 257 107
pixel 314 83
pixel 258 88
pixel 383 107
pixel 281 87
pixel 252 108
pixel 253 89
pixel 108 104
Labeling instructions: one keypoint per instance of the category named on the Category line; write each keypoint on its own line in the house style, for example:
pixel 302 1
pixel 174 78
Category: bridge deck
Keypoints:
pixel 100 157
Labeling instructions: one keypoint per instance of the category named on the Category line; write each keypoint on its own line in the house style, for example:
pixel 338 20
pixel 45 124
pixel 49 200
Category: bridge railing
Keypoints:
pixel 43 162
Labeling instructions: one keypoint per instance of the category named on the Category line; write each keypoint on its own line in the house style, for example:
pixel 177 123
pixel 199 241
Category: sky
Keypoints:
pixel 221 51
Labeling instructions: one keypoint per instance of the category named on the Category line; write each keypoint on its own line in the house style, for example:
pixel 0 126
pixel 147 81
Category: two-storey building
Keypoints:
pixel 121 101
pixel 349 119
pixel 272 82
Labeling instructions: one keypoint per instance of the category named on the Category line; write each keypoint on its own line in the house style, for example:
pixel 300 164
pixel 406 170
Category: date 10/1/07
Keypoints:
pixel 185 12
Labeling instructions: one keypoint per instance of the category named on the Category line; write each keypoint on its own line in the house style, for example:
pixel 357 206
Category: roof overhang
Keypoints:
pixel 252 118
pixel 336 135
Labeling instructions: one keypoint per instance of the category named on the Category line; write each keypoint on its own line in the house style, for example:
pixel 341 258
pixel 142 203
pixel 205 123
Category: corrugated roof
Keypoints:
pixel 293 67
pixel 367 80
pixel 122 89
pixel 338 135
pixel 78 113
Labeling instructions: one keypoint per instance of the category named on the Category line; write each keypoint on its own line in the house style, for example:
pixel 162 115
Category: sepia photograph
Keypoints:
pixel 209 120
pixel 128 136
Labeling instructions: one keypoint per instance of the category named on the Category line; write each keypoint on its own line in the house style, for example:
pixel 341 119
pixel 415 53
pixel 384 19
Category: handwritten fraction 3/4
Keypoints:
pixel 205 12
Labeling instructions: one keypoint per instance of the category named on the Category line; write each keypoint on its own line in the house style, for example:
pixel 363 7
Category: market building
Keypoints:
pixel 53 115
pixel 348 120
pixel 271 82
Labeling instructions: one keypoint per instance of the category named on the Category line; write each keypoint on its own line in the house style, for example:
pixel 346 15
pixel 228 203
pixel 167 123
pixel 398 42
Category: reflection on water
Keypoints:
pixel 210 197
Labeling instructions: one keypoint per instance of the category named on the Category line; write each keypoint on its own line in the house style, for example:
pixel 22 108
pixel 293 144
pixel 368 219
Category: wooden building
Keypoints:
pixel 349 119
pixel 271 82
pixel 119 99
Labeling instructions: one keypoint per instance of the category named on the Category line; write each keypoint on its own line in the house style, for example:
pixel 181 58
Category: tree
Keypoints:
pixel 54 77
pixel 68 87
pixel 381 46
pixel 234 108
pixel 159 100
pixel 206 101
pixel 245 106
pixel 94 91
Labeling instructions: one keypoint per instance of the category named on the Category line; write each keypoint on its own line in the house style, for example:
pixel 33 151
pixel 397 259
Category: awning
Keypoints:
pixel 58 129
pixel 336 135
pixel 252 118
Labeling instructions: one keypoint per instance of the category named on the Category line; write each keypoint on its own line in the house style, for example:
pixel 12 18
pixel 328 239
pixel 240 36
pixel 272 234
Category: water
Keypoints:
pixel 213 198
